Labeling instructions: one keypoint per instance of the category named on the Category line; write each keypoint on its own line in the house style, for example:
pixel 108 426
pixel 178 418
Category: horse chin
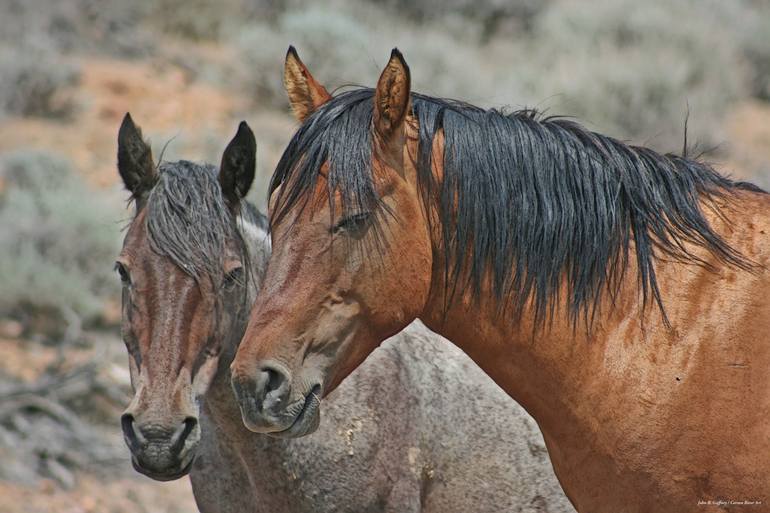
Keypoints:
pixel 308 419
pixel 168 474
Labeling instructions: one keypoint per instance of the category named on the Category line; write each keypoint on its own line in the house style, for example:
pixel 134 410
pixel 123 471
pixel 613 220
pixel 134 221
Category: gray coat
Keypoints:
pixel 419 427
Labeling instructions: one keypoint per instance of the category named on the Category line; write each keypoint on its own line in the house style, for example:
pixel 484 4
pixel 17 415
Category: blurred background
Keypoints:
pixel 189 70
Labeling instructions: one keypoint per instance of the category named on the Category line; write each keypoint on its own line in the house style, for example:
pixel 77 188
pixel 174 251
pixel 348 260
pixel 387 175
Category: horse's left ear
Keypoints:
pixel 305 93
pixel 239 163
pixel 135 163
pixel 391 99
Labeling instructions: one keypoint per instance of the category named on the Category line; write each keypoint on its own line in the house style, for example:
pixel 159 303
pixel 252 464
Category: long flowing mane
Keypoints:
pixel 189 221
pixel 535 203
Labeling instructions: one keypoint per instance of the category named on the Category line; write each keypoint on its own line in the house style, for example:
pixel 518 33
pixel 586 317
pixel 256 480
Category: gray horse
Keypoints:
pixel 191 264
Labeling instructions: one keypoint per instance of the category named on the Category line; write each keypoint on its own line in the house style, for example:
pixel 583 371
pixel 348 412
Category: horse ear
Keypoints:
pixel 391 99
pixel 239 163
pixel 135 163
pixel 305 94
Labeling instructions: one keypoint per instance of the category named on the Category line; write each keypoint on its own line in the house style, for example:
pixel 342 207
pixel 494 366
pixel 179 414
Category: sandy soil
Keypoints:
pixel 113 489
pixel 107 90
pixel 196 118
pixel 92 495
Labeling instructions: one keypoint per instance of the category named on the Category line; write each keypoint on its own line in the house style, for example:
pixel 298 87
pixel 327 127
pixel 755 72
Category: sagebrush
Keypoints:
pixel 59 240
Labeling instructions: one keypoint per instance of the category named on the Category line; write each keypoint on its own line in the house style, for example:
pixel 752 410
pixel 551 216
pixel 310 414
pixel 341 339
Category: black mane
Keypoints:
pixel 189 221
pixel 538 202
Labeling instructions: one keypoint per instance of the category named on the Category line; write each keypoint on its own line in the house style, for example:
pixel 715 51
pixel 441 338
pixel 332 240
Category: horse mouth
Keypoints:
pixel 308 418
pixel 167 474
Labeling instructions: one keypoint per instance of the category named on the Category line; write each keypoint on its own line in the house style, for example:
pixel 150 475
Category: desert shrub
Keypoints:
pixel 754 37
pixel 349 46
pixel 632 68
pixel 33 82
pixel 195 19
pixel 626 68
pixel 314 32
pixel 59 239
pixel 491 14
pixel 68 26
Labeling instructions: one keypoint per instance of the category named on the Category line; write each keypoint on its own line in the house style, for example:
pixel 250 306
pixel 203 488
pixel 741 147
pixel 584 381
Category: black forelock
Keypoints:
pixel 537 202
pixel 335 134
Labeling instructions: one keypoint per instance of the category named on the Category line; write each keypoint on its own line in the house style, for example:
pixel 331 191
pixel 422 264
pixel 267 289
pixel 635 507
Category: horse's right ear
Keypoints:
pixel 135 163
pixel 239 163
pixel 391 98
pixel 305 94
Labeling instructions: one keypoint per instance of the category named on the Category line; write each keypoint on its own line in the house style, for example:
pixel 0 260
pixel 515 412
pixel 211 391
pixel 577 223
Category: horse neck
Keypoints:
pixel 532 363
pixel 538 365
pixel 559 371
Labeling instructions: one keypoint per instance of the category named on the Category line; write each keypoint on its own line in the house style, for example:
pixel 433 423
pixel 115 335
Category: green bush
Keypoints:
pixel 327 39
pixel 59 239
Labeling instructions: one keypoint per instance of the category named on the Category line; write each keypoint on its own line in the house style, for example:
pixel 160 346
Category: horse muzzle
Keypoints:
pixel 269 405
pixel 161 452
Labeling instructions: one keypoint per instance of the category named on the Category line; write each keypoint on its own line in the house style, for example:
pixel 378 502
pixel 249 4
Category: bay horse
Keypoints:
pixel 191 265
pixel 618 294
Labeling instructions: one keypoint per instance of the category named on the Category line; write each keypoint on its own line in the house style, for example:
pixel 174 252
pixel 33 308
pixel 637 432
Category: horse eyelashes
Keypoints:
pixel 351 223
pixel 123 273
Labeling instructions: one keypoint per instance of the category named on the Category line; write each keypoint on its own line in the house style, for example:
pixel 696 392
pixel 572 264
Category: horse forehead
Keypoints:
pixel 136 244
pixel 177 306
pixel 135 241
pixel 143 259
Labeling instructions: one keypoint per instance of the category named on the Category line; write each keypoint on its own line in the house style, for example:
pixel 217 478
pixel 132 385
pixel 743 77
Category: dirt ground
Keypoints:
pixel 105 488
pixel 94 495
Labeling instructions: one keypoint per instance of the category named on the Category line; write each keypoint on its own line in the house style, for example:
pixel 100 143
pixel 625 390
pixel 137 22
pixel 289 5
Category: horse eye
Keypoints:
pixel 234 277
pixel 353 223
pixel 123 273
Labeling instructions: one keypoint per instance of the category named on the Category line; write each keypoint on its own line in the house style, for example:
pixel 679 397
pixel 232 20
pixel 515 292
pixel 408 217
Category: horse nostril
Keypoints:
pixel 134 438
pixel 266 394
pixel 275 386
pixel 274 380
pixel 182 432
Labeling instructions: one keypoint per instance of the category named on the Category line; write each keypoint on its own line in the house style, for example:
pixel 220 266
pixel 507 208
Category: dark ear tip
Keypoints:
pixel 396 54
pixel 292 52
pixel 127 122
pixel 245 130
